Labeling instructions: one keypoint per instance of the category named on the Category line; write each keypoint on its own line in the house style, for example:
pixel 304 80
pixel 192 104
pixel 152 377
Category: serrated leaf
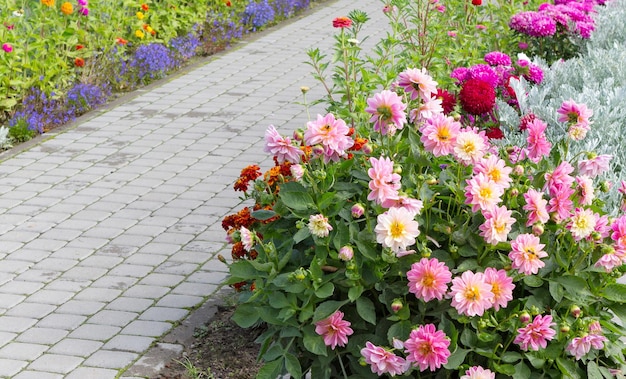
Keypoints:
pixel 270 370
pixel 245 315
pixel 301 201
pixel 243 269
pixel 615 292
pixel 293 365
pixel 365 309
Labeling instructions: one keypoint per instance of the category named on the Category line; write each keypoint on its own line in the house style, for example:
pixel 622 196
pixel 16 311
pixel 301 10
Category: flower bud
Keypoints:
pixel 297 171
pixel 538 229
pixel 318 150
pixel 596 236
pixel 300 274
pixel 518 170
pixel 367 148
pixel 565 328
pixel 524 317
pixel 396 306
pixel 397 170
pixel 298 135
pixel 514 192
pixel 431 181
pixel 605 186
pixel 575 311
pixel 357 210
pixel 346 253
pixel 221 258
pixel 304 89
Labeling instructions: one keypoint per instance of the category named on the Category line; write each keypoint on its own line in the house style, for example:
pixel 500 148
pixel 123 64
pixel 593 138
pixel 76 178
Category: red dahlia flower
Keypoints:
pixel 477 2
pixel 477 97
pixel 342 22
pixel 448 101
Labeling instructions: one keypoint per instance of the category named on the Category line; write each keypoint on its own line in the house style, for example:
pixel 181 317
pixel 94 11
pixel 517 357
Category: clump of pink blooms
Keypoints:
pixel 565 16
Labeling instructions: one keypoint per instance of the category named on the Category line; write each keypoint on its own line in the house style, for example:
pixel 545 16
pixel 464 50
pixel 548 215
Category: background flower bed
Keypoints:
pixel 63 58
pixel 335 295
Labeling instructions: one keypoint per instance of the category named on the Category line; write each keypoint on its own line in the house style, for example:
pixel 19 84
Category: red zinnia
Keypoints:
pixel 79 62
pixel 121 41
pixel 477 2
pixel 342 22
pixel 477 97
pixel 448 101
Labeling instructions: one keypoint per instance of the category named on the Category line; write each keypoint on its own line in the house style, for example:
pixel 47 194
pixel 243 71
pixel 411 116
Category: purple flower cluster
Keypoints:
pixel 258 14
pixel 184 47
pixel 83 97
pixel 152 61
pixel 568 16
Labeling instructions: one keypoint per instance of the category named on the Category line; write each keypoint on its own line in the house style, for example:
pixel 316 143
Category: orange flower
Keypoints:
pixel 67 8
pixel 145 7
pixel 121 41
pixel 78 47
pixel 48 3
pixel 79 62
pixel 145 26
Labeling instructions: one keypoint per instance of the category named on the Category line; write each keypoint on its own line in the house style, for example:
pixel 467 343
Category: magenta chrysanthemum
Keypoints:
pixel 534 24
pixel 428 279
pixel 496 58
pixel 427 347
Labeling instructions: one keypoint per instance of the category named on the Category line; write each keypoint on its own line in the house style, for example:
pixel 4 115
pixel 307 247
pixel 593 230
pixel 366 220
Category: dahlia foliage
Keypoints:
pixel 405 242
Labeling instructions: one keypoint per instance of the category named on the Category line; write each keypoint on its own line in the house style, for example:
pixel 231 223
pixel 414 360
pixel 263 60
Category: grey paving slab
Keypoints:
pixel 110 230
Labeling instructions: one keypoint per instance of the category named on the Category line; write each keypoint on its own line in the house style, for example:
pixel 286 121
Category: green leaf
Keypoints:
pixel 521 371
pixel 8 103
pixel 455 360
pixel 278 300
pixel 301 235
pixel 533 281
pixel 354 292
pixel 505 369
pixel 326 200
pixel 567 367
pixel 399 330
pixel 365 248
pixel 511 356
pixel 293 365
pixel 620 311
pixel 325 291
pixel 577 287
pixel 326 309
pixel 365 309
pixel 556 291
pixel 246 315
pixel 314 343
pixel 243 270
pixel 263 214
pixel 270 370
pixel 615 292
pixel 295 196
pixel 593 371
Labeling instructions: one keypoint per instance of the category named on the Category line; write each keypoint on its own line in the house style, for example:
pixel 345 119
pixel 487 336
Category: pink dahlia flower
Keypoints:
pixel 471 294
pixel 427 347
pixel 383 361
pixel 497 225
pixel 538 144
pixel 526 253
pixel 385 183
pixel 495 169
pixel 536 206
pixel 428 279
pixel 477 372
pixel 387 110
pixel 501 286
pixel 281 147
pixel 396 229
pixel 439 134
pixel 334 329
pixel 331 134
pixel 482 193
pixel 319 226
pixel 536 334
pixel 418 83
pixel 594 166
pixel 470 146
pixel 574 114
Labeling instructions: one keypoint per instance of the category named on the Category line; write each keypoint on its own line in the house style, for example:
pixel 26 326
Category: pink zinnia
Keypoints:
pixel 526 253
pixel 594 166
pixel 427 347
pixel 331 134
pixel 471 294
pixel 536 334
pixel 281 147
pixel 396 229
pixel 501 286
pixel 574 114
pixel 385 183
pixel 482 193
pixel 477 372
pixel 495 169
pixel 387 110
pixel 538 144
pixel 334 329
pixel 439 134
pixel 536 206
pixel 383 361
pixel 497 225
pixel 428 279
pixel 418 83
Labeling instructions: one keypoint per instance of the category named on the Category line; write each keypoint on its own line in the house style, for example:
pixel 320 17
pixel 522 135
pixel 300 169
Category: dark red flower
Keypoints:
pixel 477 97
pixel 477 2
pixel 78 47
pixel 448 101
pixel 526 120
pixel 494 133
pixel 145 7
pixel 79 62
pixel 342 22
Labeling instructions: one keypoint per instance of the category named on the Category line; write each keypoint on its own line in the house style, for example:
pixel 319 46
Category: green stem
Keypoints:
pixel 343 369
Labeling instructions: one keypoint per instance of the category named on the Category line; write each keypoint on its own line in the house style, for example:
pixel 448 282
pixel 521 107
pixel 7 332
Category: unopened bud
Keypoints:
pixel 346 253
pixel 524 317
pixel 318 150
pixel 431 181
pixel 575 311
pixel 518 169
pixel 221 258
pixel 538 229
pixel 357 210
pixel 514 192
pixel 304 89
pixel 367 148
pixel 397 170
pixel 397 305
pixel 605 186
pixel 298 135
pixel 565 328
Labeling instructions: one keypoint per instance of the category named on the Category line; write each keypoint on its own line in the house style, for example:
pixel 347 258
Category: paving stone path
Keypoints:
pixel 110 229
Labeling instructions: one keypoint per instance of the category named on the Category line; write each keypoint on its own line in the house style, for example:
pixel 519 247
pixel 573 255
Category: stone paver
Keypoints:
pixel 110 229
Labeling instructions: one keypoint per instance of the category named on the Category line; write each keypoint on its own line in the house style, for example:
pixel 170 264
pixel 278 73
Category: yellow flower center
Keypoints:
pixel 485 193
pixel 495 289
pixel 494 174
pixel 469 147
pixel 444 134
pixel 472 293
pixel 428 280
pixel 397 229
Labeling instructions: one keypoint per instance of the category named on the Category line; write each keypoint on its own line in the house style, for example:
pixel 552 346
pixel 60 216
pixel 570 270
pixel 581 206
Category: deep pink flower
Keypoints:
pixel 536 206
pixel 418 83
pixel 501 286
pixel 383 361
pixel 496 58
pixel 536 334
pixel 331 134
pixel 385 183
pixel 538 144
pixel 334 329
pixel 427 347
pixel 7 47
pixel 526 253
pixel 428 279
pixel 560 205
pixel 281 147
pixel 477 372
pixel 497 225
pixel 574 114
pixel 439 134
pixel 560 177
pixel 387 110
pixel 594 166
pixel 471 294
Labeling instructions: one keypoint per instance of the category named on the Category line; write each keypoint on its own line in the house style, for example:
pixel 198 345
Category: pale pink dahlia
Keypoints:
pixel 526 253
pixel 418 83
pixel 428 279
pixel 497 225
pixel 585 189
pixel 594 166
pixel 385 183
pixel 396 229
pixel 496 170
pixel 580 346
pixel 247 239
pixel 470 146
pixel 387 110
pixel 471 294
pixel 427 347
pixel 536 206
pixel 477 372
pixel 536 334
pixel 414 206
pixel 426 110
pixel 334 329
pixel 383 361
pixel 331 134
pixel 612 259
pixel 560 177
pixel 439 134
pixel 319 226
pixel 482 193
pixel 501 286
pixel 582 223
pixel 281 147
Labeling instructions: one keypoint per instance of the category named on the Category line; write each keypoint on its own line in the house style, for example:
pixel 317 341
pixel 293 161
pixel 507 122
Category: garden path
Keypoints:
pixel 110 229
